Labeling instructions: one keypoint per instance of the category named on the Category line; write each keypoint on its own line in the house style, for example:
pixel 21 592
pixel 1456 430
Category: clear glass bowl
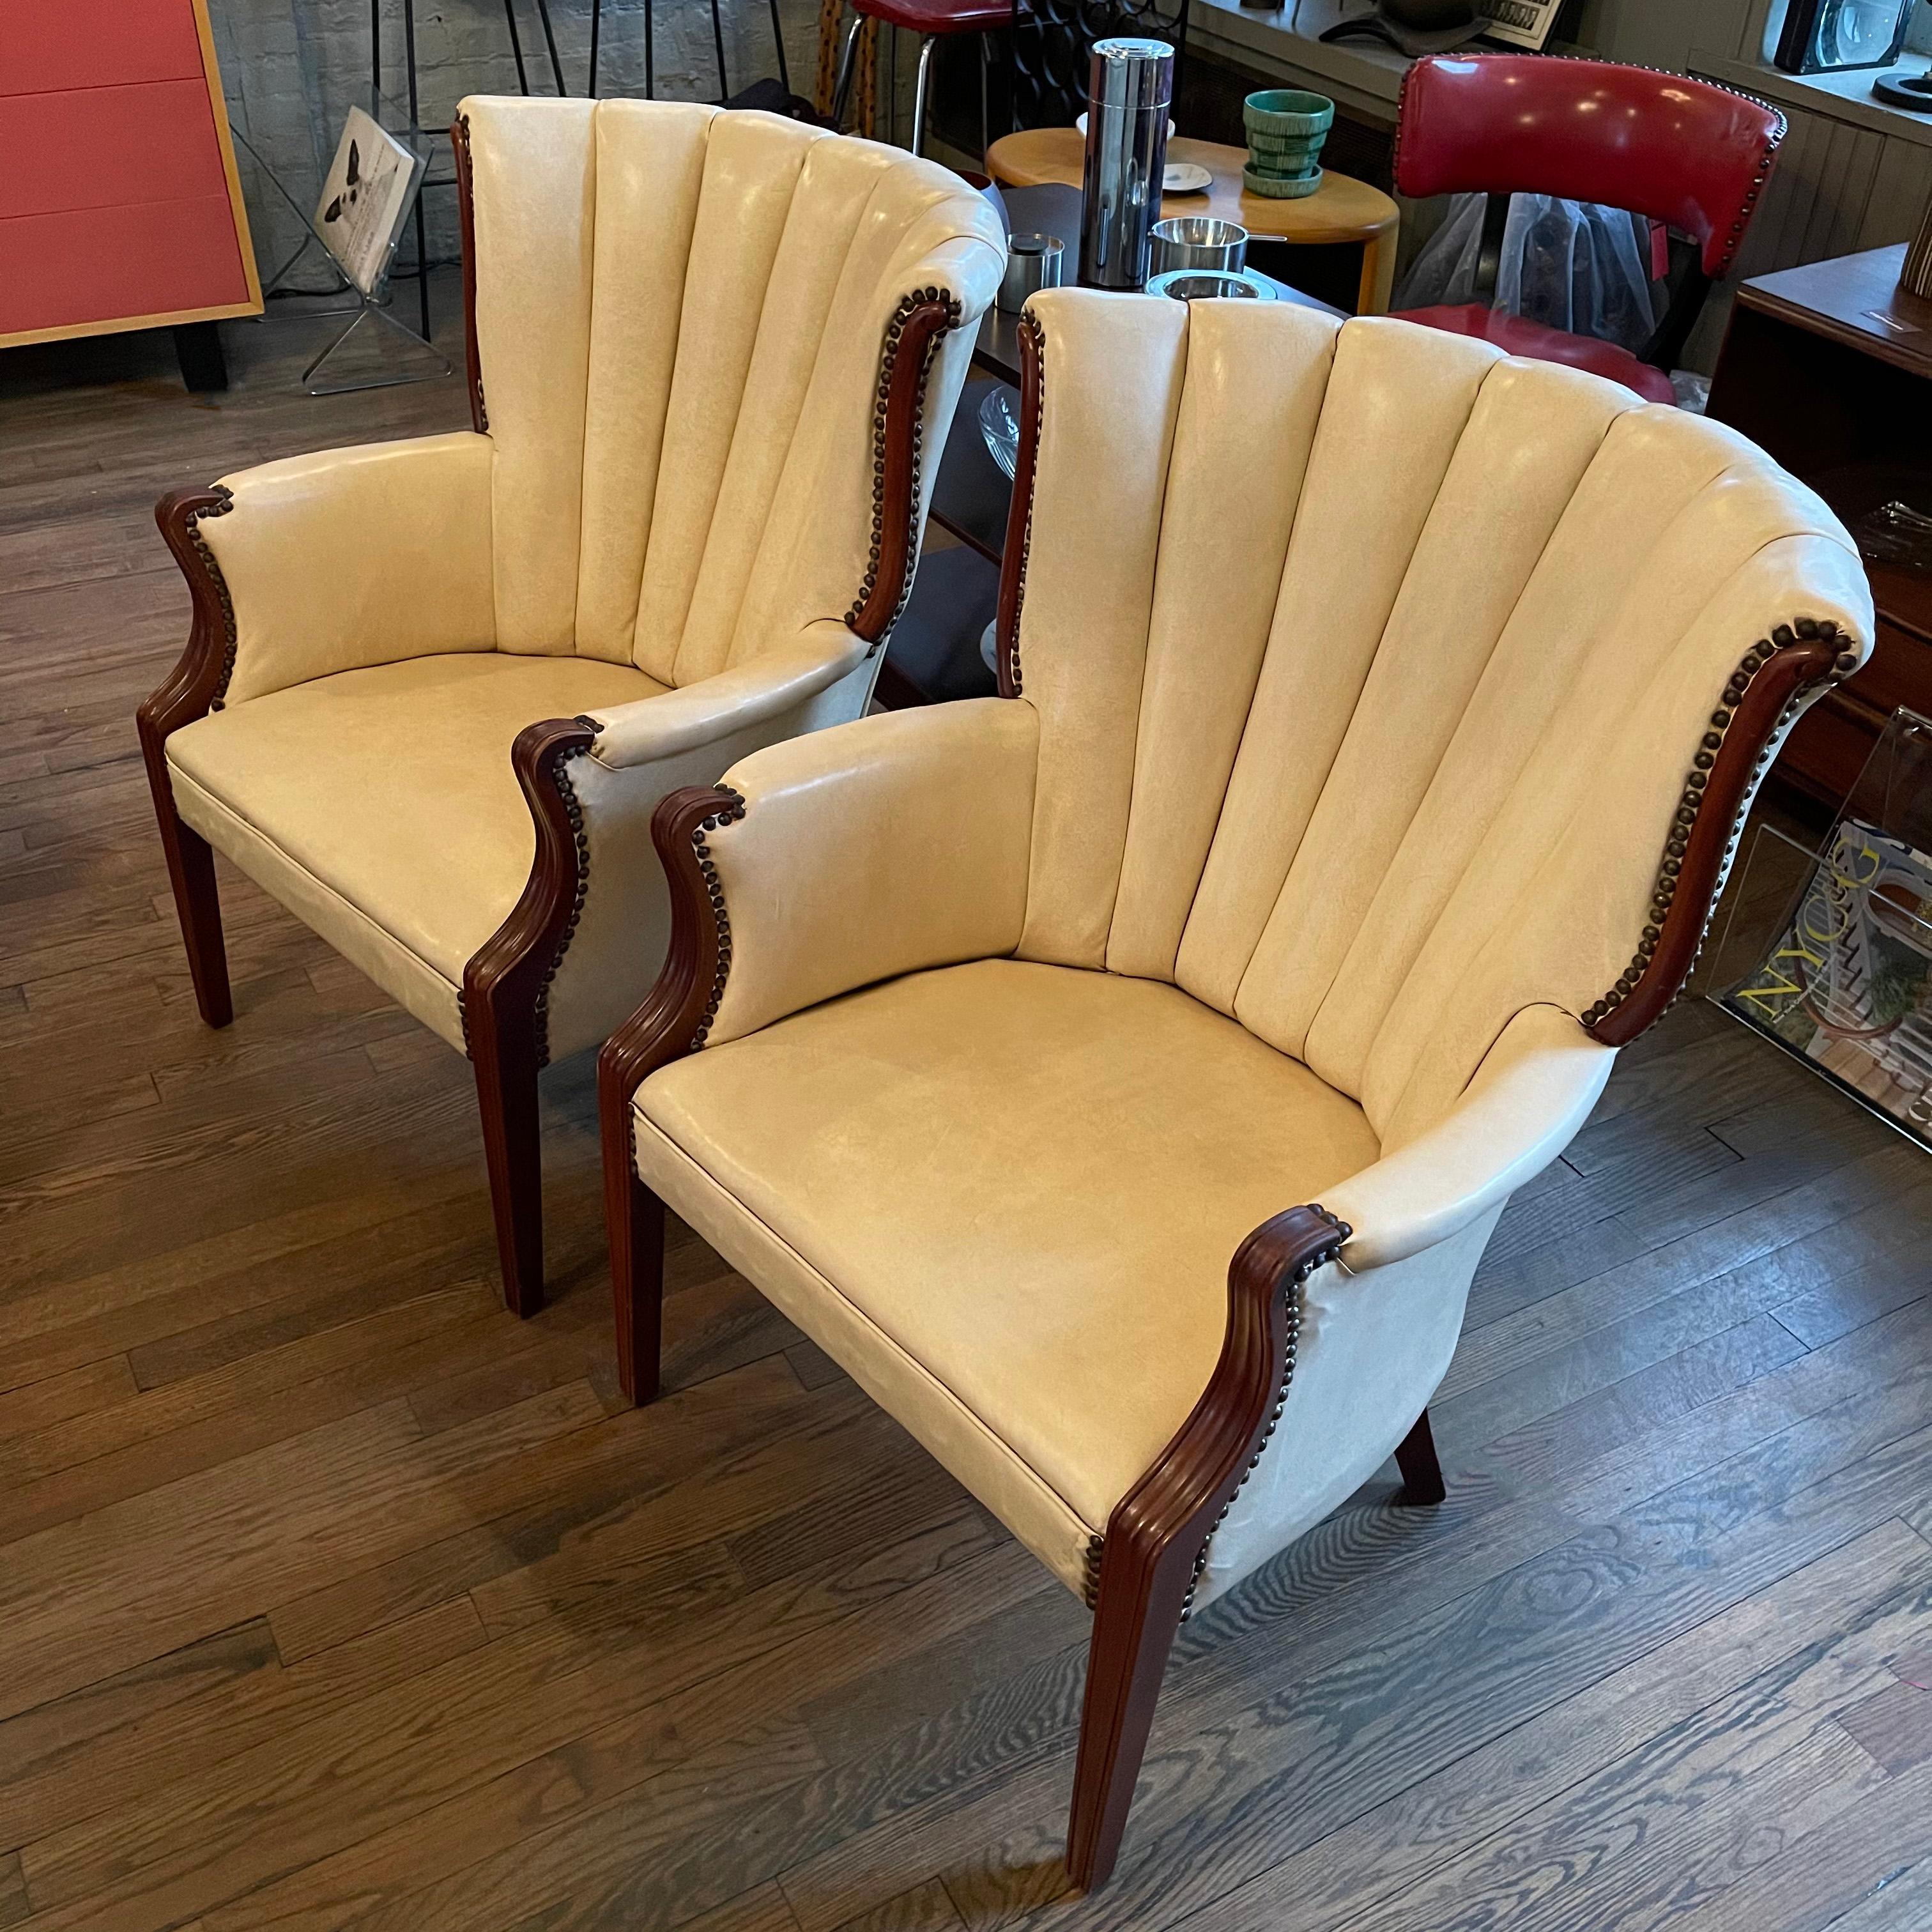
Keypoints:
pixel 999 425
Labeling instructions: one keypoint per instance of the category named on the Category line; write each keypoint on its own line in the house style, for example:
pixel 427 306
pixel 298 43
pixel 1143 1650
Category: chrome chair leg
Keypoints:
pixel 926 45
pixel 550 42
pixel 986 112
pixel 778 37
pixel 516 46
pixel 718 36
pixel 847 62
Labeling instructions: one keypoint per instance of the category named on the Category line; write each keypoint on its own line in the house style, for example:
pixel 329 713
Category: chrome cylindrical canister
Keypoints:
pixel 1130 89
pixel 1034 263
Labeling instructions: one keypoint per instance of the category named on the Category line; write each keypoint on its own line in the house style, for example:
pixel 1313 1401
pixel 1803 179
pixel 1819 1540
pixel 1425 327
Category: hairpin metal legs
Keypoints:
pixel 368 311
pixel 986 112
pixel 927 43
pixel 848 61
pixel 516 46
pixel 550 41
pixel 718 36
pixel 778 40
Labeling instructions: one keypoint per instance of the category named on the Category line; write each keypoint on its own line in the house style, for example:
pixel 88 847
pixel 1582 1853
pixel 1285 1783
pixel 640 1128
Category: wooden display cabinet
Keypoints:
pixel 1828 367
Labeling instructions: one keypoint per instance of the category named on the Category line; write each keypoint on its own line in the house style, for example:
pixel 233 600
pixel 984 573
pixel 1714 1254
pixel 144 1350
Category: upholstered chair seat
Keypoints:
pixel 1047 1142
pixel 405 849
pixel 1121 1078
pixel 436 688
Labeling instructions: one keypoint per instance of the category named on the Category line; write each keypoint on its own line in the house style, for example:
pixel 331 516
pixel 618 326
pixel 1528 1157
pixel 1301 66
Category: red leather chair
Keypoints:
pixel 1683 152
pixel 931 20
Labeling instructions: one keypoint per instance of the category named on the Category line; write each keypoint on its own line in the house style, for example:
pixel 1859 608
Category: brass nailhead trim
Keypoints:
pixel 469 192
pixel 573 810
pixel 1677 843
pixel 1297 1289
pixel 1090 1585
pixel 714 889
pixel 1029 324
pixel 231 641
pixel 882 398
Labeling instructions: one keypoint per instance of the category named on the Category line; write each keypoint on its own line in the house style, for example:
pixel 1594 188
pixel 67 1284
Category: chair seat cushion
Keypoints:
pixel 1004 1197
pixel 942 16
pixel 1517 335
pixel 379 805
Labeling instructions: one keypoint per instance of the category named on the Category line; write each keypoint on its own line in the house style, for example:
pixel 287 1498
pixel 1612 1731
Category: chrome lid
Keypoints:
pixel 1135 75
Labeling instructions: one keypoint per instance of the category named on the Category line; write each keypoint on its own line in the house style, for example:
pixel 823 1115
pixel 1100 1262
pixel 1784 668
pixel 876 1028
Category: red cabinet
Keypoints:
pixel 119 204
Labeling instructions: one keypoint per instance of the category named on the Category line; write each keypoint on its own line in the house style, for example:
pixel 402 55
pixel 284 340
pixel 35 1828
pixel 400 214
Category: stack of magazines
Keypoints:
pixel 1847 983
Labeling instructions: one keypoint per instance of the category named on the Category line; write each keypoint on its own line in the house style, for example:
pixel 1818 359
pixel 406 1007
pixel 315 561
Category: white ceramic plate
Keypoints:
pixel 1185 178
pixel 1080 124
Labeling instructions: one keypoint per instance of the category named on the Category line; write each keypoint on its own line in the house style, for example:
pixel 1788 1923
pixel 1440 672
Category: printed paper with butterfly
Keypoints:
pixel 366 198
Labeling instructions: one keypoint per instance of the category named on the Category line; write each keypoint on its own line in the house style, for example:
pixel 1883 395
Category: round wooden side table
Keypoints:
pixel 1341 210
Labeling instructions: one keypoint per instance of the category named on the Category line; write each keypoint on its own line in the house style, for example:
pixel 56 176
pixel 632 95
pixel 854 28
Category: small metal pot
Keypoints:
pixel 1198 241
pixel 1034 262
pixel 1208 284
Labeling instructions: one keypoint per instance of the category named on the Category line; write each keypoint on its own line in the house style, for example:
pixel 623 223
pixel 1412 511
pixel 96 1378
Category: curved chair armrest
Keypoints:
pixel 896 842
pixel 1535 1088
pixel 323 563
pixel 590 928
pixel 1322 1372
pixel 718 707
pixel 893 844
pixel 878 848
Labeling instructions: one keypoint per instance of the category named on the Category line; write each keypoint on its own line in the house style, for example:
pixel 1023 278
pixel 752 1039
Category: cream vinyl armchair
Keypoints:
pixel 1120 1078
pixel 435 689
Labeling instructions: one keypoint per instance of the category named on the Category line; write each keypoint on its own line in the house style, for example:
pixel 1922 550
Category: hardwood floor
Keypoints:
pixel 333 1599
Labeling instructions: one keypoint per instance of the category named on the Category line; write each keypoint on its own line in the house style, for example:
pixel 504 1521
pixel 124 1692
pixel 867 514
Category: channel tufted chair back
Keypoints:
pixel 1120 1078
pixel 435 687
pixel 678 313
pixel 1379 677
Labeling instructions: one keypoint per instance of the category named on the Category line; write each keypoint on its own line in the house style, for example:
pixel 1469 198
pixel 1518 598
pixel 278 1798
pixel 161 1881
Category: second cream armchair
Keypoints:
pixel 1120 1078
pixel 435 689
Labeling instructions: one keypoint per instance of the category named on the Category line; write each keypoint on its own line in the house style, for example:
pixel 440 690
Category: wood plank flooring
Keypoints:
pixel 332 1599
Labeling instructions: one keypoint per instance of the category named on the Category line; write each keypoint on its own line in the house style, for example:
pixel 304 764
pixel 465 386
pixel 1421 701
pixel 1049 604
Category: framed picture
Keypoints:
pixel 366 198
pixel 1519 23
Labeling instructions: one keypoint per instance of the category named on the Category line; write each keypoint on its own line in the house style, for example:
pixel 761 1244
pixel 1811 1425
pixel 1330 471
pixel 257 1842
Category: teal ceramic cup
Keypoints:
pixel 1286 128
pixel 1288 112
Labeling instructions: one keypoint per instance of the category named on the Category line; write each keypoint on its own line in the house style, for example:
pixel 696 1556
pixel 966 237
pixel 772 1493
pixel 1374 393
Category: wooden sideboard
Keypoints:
pixel 120 207
pixel 1828 367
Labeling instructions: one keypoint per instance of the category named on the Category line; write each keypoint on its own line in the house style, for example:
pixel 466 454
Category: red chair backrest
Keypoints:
pixel 1682 152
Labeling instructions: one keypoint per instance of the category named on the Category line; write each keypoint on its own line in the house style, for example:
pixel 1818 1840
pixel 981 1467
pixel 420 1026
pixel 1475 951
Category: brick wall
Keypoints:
pixel 292 68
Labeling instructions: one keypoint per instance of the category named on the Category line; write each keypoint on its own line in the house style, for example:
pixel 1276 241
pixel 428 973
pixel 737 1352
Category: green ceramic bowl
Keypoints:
pixel 1282 187
pixel 1288 112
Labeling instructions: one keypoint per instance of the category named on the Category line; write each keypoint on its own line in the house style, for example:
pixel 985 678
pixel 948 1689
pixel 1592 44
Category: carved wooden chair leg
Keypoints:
pixel 634 1216
pixel 505 1060
pixel 184 697
pixel 1421 1473
pixel 1135 1620
pixel 197 901
pixel 671 1021
pixel 1157 1537
pixel 637 1280
pixel 198 904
